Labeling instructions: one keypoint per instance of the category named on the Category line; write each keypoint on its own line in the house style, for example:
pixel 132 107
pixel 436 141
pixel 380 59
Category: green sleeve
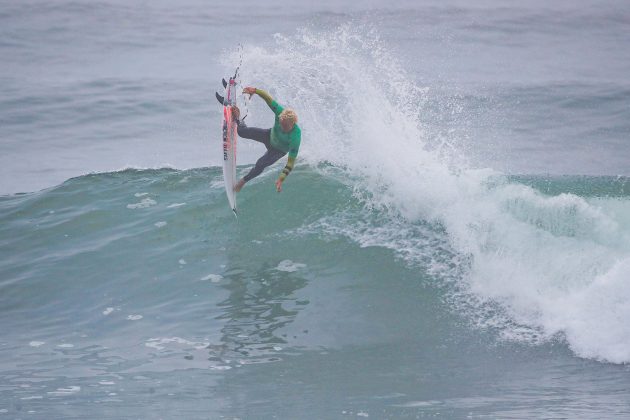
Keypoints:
pixel 294 145
pixel 293 152
pixel 275 107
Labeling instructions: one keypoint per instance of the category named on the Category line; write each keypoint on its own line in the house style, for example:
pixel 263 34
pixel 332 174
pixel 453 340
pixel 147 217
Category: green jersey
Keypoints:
pixel 286 142
pixel 281 140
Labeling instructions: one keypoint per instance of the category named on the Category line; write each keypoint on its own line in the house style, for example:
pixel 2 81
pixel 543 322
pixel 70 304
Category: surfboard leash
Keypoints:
pixel 238 80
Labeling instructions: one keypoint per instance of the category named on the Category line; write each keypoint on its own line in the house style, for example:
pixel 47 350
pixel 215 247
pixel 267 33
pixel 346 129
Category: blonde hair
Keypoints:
pixel 288 115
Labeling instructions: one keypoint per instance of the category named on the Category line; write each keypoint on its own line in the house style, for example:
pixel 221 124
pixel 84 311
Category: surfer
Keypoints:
pixel 284 137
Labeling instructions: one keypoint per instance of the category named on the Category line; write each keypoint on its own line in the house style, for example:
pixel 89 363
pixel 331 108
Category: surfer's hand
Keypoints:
pixel 249 90
pixel 279 185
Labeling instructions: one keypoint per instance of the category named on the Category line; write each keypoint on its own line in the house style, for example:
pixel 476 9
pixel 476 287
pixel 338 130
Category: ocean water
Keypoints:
pixel 453 243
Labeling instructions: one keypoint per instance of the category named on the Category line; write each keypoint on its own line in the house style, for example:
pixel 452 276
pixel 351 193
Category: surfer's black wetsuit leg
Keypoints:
pixel 259 134
pixel 269 158
pixel 263 136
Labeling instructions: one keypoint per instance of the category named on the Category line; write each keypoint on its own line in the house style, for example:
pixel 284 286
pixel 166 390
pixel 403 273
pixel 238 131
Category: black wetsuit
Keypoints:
pixel 263 136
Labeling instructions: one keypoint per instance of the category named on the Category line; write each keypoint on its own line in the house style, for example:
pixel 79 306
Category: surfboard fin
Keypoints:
pixel 224 83
pixel 220 98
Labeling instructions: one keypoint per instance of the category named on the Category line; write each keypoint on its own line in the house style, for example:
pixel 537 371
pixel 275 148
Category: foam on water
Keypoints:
pixel 65 391
pixel 289 266
pixel 163 343
pixel 555 265
pixel 143 204
pixel 214 278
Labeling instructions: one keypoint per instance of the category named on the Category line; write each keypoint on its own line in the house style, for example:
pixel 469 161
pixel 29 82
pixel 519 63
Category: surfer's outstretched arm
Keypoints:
pixel 287 169
pixel 273 105
pixel 265 95
pixel 285 173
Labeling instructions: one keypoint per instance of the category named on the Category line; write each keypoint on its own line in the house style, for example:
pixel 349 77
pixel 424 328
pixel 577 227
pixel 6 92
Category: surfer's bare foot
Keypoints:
pixel 239 185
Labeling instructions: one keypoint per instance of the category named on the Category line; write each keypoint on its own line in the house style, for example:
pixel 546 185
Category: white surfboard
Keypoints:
pixel 230 137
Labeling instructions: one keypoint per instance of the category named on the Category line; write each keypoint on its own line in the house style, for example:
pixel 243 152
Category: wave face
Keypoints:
pixel 532 258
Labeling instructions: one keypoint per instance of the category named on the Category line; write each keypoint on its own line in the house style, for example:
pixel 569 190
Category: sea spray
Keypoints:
pixel 534 255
